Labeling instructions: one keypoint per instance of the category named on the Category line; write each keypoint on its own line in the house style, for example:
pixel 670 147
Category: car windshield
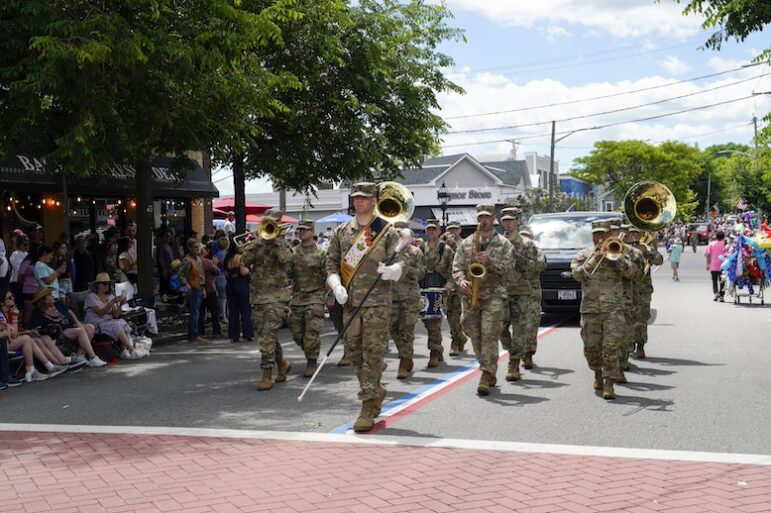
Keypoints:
pixel 563 234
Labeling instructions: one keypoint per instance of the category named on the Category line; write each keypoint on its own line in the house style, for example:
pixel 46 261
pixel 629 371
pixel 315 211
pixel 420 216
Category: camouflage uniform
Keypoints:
pixel 309 274
pixel 483 324
pixel 438 260
pixel 652 257
pixel 367 336
pixel 270 262
pixel 405 302
pixel 602 307
pixel 631 295
pixel 452 299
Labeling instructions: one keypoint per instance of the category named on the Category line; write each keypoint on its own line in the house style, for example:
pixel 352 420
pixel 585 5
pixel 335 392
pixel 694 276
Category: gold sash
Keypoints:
pixel 363 243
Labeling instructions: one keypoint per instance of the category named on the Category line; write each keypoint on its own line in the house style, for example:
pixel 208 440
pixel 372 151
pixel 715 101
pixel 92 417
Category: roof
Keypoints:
pixel 510 172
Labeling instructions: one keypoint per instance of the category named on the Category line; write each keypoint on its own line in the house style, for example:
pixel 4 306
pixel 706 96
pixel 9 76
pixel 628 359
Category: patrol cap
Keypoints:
pixel 454 224
pixel 513 213
pixel 632 228
pixel 273 214
pixel 432 223
pixel 363 189
pixel 401 224
pixel 614 224
pixel 526 232
pixel 486 209
pixel 600 226
pixel 305 224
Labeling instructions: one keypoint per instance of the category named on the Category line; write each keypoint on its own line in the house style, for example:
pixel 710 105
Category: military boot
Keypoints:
pixel 484 384
pixel 621 377
pixel 366 419
pixel 597 385
pixel 433 360
pixel 310 368
pixel 513 373
pixel 266 383
pixel 640 353
pixel 380 398
pixel 528 363
pixel 462 343
pixel 344 361
pixel 283 369
pixel 454 348
pixel 405 366
pixel 607 389
pixel 441 353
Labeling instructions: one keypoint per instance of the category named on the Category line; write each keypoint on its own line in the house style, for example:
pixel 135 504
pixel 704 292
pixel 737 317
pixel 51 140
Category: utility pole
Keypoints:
pixel 757 160
pixel 709 187
pixel 551 167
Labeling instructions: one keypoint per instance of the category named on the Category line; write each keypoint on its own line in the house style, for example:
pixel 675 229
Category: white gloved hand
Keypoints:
pixel 341 295
pixel 390 272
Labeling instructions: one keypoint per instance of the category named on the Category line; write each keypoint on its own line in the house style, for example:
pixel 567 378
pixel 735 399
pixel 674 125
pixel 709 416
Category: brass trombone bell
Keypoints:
pixel 269 229
pixel 612 248
pixel 650 206
pixel 394 202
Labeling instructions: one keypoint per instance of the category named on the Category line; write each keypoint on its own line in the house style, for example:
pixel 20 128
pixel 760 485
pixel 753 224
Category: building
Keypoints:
pixel 468 182
pixel 579 189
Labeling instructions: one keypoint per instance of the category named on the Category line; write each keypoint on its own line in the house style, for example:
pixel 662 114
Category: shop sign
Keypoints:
pixel 470 194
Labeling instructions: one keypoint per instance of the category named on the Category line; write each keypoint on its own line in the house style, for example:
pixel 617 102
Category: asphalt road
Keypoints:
pixel 703 387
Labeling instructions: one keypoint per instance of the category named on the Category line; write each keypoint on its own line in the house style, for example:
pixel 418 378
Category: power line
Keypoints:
pixel 613 95
pixel 600 127
pixel 614 111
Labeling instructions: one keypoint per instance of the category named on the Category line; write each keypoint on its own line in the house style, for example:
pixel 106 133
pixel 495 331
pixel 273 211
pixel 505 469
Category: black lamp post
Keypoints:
pixel 443 196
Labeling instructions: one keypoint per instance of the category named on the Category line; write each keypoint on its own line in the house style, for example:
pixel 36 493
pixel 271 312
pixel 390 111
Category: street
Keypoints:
pixel 701 389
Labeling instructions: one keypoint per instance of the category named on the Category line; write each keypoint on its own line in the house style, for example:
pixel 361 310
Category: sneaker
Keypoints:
pixel 78 358
pixel 11 381
pixel 34 375
pixel 125 355
pixel 57 369
pixel 96 362
pixel 74 364
pixel 3 386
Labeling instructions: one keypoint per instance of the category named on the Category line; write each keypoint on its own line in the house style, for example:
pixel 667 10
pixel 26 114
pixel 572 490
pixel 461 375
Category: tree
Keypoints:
pixel 369 76
pixel 537 201
pixel 620 164
pixel 84 83
pixel 745 177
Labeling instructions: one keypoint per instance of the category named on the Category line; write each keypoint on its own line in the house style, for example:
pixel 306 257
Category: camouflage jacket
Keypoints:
pixel 632 285
pixel 525 263
pixel 413 269
pixel 653 257
pixel 534 276
pixel 341 241
pixel 308 275
pixel 439 260
pixel 270 263
pixel 602 291
pixel 500 251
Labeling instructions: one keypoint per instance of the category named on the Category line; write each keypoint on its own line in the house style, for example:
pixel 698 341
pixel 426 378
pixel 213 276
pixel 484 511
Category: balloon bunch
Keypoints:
pixel 747 264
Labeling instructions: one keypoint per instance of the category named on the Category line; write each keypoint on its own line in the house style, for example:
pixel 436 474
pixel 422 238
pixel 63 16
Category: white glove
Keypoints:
pixel 341 295
pixel 390 272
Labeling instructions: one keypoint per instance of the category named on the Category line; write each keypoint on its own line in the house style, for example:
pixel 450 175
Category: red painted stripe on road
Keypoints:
pixel 388 421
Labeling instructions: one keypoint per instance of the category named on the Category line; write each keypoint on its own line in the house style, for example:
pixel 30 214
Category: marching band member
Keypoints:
pixel 453 304
pixel 439 255
pixel 534 280
pixel 488 254
pixel 652 257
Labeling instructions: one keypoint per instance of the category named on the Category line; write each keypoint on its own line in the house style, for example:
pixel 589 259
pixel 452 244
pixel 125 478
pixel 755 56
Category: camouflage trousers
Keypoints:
pixel 454 310
pixel 306 322
pixel 534 320
pixel 404 317
pixel 434 328
pixel 515 335
pixel 483 326
pixel 603 336
pixel 365 342
pixel 267 320
pixel 642 314
pixel 630 315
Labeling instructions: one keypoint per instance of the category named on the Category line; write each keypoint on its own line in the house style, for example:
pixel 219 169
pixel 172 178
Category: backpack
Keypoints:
pixel 104 348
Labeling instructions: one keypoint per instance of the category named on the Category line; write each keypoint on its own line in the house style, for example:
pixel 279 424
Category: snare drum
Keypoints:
pixel 431 302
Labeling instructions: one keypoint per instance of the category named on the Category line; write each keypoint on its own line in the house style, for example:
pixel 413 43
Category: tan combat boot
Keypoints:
pixel 283 369
pixel 462 343
pixel 344 361
pixel 310 368
pixel 621 377
pixel 597 385
pixel 528 363
pixel 366 419
pixel 441 353
pixel 266 383
pixel 433 360
pixel 640 353
pixel 454 348
pixel 513 373
pixel 379 404
pixel 405 366
pixel 607 389
pixel 484 384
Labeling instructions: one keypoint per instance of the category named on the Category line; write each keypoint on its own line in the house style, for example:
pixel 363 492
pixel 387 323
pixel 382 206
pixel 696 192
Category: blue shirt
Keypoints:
pixel 675 252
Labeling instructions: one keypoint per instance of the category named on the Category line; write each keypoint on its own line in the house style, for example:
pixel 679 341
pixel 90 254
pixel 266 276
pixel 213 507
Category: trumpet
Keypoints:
pixel 476 272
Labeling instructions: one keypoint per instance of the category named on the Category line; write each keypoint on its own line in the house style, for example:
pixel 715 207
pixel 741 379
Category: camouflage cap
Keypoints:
pixel 486 209
pixel 454 224
pixel 600 226
pixel 526 232
pixel 401 224
pixel 364 189
pixel 433 223
pixel 633 229
pixel 273 214
pixel 305 224
pixel 615 224
pixel 514 213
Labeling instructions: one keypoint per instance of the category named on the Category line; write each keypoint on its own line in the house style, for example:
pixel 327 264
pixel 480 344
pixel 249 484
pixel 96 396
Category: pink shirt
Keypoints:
pixel 714 251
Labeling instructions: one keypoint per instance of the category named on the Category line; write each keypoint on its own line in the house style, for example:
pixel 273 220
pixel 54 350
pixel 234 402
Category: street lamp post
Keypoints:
pixel 443 196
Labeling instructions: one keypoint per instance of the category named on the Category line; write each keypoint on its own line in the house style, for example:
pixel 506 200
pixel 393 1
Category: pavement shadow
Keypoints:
pixel 538 383
pixel 648 371
pixel 641 403
pixel 389 431
pixel 552 372
pixel 678 361
pixel 506 399
pixel 644 387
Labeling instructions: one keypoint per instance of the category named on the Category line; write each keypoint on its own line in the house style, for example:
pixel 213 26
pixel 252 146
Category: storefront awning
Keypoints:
pixel 466 216
pixel 26 174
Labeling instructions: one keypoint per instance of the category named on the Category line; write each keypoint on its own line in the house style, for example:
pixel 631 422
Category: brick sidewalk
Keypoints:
pixel 122 473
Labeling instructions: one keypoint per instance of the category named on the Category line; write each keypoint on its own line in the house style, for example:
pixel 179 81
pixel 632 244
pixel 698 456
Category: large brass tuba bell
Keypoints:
pixel 650 206
pixel 394 202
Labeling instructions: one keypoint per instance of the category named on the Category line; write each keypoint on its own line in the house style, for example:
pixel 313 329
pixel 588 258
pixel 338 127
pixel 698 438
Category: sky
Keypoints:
pixel 643 57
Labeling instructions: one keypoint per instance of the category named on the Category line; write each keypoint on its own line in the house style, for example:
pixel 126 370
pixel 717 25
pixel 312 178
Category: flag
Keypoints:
pixel 716 209
pixel 741 205
pixel 571 208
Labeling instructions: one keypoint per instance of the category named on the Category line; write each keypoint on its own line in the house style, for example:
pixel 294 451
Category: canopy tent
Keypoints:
pixel 229 203
pixel 284 219
pixel 337 217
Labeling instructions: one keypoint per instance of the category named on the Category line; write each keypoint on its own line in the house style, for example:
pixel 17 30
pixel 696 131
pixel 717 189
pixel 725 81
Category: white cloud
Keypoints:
pixel 674 65
pixel 554 32
pixel 621 18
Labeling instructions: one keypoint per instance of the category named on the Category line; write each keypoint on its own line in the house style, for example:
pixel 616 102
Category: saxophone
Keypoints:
pixel 476 272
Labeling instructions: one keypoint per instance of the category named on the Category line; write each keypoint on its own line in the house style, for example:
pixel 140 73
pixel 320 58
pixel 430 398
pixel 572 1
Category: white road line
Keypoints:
pixel 405 441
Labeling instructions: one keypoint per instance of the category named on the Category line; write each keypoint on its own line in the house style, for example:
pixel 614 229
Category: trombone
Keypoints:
pixel 268 229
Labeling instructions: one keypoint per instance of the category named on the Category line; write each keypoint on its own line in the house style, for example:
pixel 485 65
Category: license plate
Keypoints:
pixel 566 295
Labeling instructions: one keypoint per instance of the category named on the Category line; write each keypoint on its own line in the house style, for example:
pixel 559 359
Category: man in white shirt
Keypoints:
pixel 230 224
pixel 3 267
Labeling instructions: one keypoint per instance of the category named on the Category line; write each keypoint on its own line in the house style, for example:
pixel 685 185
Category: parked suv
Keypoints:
pixel 560 236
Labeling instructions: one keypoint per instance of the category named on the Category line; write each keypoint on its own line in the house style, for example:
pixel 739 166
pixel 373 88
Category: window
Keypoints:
pixel 608 206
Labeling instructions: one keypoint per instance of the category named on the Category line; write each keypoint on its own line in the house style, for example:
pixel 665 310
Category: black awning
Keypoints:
pixel 22 173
